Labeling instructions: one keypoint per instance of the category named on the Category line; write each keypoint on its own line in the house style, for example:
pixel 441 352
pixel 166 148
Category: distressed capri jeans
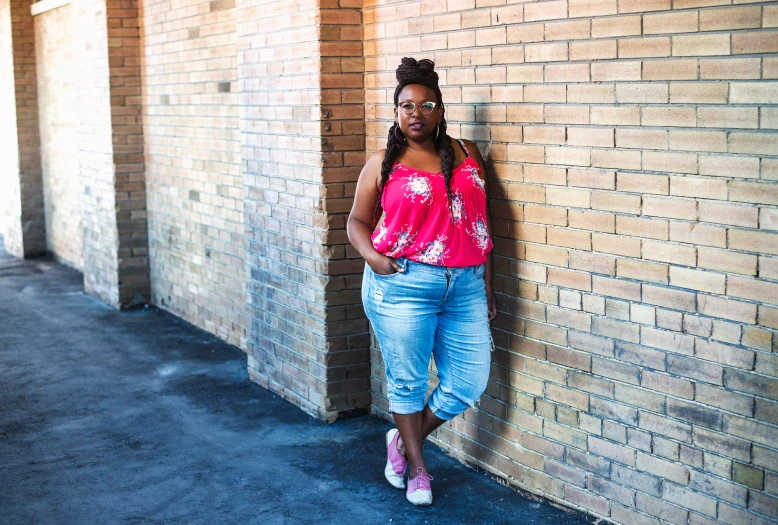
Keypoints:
pixel 431 310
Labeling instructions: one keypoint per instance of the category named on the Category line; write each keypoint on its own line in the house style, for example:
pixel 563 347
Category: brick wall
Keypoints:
pixel 633 176
pixel 110 150
pixel 21 194
pixel 633 163
pixel 301 120
pixel 95 150
pixel 192 145
pixel 123 29
pixel 62 186
pixel 343 145
pixel 9 151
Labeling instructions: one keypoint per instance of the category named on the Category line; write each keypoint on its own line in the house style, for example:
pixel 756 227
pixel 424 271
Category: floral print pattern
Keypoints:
pixel 403 239
pixel 457 209
pixel 435 251
pixel 418 186
pixel 477 180
pixel 418 224
pixel 480 234
pixel 382 231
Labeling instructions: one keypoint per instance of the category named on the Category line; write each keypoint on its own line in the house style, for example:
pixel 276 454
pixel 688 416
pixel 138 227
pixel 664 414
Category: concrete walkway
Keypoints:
pixel 139 418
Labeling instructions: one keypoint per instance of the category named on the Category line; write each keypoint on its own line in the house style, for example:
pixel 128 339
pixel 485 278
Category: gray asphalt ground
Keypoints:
pixel 139 418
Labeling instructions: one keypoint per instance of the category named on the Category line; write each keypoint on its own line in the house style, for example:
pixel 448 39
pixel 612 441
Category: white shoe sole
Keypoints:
pixel 420 498
pixel 396 481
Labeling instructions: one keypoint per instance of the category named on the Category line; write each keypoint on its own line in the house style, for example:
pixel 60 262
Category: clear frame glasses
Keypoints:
pixel 425 107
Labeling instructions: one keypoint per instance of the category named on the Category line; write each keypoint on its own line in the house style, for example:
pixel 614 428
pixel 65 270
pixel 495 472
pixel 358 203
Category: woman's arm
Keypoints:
pixel 361 220
pixel 489 270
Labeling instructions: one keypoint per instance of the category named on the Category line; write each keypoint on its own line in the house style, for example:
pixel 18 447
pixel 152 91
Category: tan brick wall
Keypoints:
pixel 632 152
pixel 633 166
pixel 192 148
pixel 110 150
pixel 95 150
pixel 62 187
pixel 20 186
pixel 278 64
pixel 9 152
pixel 301 118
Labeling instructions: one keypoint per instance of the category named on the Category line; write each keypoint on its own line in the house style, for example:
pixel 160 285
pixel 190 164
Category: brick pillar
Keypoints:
pixel 129 179
pixel 21 187
pixel 302 134
pixel 343 145
pixel 106 49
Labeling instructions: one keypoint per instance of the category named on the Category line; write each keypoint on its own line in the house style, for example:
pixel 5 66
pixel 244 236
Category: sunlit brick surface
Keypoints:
pixel 633 180
pixel 302 130
pixel 62 184
pixel 192 148
pixel 633 167
pixel 21 192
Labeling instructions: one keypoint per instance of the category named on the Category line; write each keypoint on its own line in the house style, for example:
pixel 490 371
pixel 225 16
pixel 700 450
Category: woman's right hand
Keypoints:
pixel 383 265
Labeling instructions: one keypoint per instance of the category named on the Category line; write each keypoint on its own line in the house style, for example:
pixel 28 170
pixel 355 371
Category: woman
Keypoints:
pixel 427 286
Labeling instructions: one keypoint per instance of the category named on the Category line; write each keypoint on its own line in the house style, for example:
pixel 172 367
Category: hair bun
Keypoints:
pixel 411 69
pixel 427 64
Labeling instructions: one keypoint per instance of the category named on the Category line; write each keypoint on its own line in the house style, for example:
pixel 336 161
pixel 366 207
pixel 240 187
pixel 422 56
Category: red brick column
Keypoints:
pixel 21 186
pixel 129 180
pixel 343 145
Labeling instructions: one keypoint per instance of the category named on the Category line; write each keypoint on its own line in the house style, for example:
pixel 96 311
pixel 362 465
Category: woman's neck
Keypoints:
pixel 428 146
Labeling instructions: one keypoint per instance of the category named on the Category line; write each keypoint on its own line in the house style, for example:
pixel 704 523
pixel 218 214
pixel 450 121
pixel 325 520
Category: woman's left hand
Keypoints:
pixel 491 302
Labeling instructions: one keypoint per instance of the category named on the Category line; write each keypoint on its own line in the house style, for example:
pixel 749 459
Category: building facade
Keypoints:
pixel 203 155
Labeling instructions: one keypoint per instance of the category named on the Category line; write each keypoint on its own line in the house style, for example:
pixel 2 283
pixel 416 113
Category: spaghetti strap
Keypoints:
pixel 464 148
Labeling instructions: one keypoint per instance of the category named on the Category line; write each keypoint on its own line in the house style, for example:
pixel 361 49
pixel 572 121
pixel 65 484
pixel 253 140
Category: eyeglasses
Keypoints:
pixel 409 107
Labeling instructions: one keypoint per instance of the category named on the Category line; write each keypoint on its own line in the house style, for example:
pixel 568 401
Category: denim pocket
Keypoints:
pixel 480 270
pixel 402 262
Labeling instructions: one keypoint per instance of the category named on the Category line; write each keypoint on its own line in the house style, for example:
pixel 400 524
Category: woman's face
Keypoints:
pixel 417 126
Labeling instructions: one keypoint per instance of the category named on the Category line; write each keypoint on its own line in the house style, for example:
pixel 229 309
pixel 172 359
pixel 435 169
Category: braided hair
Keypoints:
pixel 411 71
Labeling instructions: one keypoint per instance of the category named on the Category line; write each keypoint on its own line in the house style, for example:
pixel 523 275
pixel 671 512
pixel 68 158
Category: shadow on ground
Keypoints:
pixel 139 418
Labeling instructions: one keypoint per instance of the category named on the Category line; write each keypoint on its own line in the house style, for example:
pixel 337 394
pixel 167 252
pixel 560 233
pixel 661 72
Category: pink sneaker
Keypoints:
pixel 419 491
pixel 396 463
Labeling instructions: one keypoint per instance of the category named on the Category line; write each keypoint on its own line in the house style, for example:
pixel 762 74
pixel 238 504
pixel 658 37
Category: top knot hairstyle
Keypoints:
pixel 411 71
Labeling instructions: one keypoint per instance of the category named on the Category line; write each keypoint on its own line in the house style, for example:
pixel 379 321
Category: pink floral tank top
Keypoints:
pixel 418 224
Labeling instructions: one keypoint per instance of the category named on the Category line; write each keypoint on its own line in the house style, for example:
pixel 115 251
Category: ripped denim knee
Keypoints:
pixel 406 398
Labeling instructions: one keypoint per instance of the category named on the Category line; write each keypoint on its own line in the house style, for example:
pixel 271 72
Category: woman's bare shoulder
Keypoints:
pixel 372 169
pixel 378 155
pixel 375 160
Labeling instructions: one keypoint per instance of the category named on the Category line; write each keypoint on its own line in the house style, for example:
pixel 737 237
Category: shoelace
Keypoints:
pixel 422 480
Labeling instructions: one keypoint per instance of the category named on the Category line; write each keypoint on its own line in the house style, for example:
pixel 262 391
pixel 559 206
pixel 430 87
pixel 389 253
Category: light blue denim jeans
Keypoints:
pixel 431 310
